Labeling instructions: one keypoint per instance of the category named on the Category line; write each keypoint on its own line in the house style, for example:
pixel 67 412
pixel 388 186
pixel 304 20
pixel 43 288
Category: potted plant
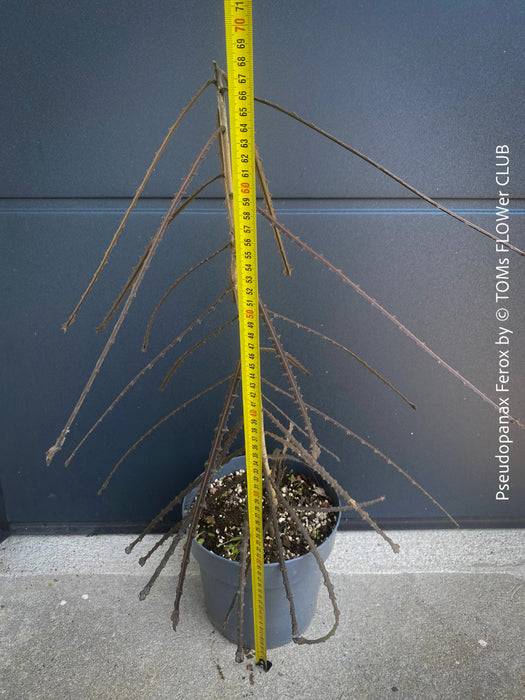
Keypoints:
pixel 294 559
pixel 292 436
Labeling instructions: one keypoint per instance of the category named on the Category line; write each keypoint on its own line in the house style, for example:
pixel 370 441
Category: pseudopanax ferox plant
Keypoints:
pixel 289 432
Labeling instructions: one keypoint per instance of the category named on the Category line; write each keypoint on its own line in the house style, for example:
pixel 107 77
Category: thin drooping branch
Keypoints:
pixel 337 509
pixel 149 171
pixel 228 440
pixel 245 536
pixel 291 359
pixel 225 160
pixel 188 200
pixel 188 352
pixel 371 447
pixel 320 563
pixel 220 75
pixel 280 464
pixel 328 509
pixel 391 175
pixel 291 380
pixel 157 238
pixel 136 270
pixel 145 369
pixel 177 529
pixel 296 446
pixel 172 289
pixel 241 588
pixel 162 514
pixel 157 425
pixel 297 427
pixel 180 496
pixel 299 450
pixel 124 291
pixel 198 503
pixel 224 144
pixel 244 562
pixel 407 476
pixel 225 455
pixel 263 183
pixel 344 349
pixel 167 556
pixel 272 500
pixel 386 313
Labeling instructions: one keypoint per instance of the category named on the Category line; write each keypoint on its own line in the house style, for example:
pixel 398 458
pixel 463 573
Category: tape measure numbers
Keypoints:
pixel 239 51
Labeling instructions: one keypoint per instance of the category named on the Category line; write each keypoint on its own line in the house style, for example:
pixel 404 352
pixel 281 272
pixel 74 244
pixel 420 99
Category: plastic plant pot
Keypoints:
pixel 220 578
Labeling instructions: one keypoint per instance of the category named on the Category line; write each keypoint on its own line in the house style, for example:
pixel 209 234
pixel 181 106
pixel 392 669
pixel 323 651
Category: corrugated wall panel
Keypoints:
pixel 430 90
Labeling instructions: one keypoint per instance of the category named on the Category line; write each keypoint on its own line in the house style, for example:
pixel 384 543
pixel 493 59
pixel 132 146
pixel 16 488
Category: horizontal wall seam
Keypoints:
pixel 369 211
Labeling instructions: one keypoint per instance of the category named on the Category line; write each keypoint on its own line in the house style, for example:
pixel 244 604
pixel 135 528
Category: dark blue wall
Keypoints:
pixel 428 89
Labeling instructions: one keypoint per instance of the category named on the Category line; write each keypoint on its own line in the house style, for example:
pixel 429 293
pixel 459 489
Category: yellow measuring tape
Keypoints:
pixel 239 51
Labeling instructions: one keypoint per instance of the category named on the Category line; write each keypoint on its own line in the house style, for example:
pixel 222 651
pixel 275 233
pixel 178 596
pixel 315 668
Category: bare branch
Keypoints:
pixel 225 159
pixel 145 369
pixel 157 238
pixel 291 379
pixel 313 549
pixel 162 514
pixel 144 256
pixel 272 500
pixel 344 349
pixel 199 499
pixel 177 529
pixel 125 289
pixel 167 556
pixel 181 359
pixel 338 509
pixel 241 588
pixel 149 171
pixel 374 449
pixel 291 359
pixel 314 464
pixel 157 425
pixel 391 175
pixel 390 317
pixel 172 289
pixel 294 425
pixel 263 182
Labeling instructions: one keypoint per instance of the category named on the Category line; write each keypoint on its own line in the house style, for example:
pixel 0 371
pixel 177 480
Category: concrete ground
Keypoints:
pixel 442 619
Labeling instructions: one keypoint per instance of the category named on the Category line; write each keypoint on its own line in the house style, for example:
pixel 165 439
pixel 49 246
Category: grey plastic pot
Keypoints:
pixel 220 579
